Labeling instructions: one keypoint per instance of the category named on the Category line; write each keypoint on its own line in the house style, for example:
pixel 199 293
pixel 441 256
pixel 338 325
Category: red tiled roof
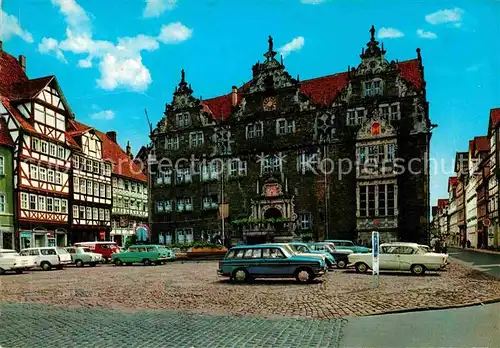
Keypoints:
pixel 5 138
pixel 442 203
pixel 17 115
pixel 495 117
pixel 30 88
pixel 76 128
pixel 322 90
pixel 452 181
pixel 123 165
pixel 11 73
pixel 481 144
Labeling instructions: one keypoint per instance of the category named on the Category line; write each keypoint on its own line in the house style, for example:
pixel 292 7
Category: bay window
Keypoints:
pixel 377 200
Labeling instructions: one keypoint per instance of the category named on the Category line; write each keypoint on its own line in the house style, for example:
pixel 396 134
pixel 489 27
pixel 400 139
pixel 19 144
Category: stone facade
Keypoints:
pixel 285 159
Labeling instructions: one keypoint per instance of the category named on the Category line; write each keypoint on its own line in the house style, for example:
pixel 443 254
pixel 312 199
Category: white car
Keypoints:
pixel 10 260
pixel 401 257
pixel 48 257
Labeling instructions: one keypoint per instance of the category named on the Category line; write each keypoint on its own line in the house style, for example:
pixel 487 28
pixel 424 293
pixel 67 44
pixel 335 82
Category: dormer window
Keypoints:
pixel 182 119
pixel 284 126
pixel 254 130
pixel 372 88
pixel 196 139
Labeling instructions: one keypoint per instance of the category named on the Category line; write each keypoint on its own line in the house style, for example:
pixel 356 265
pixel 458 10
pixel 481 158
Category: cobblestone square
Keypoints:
pixel 192 287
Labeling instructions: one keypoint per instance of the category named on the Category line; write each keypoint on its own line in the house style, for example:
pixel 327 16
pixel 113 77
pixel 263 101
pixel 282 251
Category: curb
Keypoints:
pixel 481 251
pixel 425 309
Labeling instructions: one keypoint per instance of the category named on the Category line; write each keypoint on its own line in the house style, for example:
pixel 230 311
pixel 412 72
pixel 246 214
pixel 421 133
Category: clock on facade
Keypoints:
pixel 272 190
pixel 269 104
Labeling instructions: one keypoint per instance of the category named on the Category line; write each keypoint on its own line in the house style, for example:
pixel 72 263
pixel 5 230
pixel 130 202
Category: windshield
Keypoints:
pixel 294 248
pixel 329 248
pixel 290 249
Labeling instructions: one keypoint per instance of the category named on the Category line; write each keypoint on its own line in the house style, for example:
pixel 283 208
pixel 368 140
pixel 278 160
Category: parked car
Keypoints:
pixel 246 262
pixel 401 257
pixel 84 256
pixel 347 244
pixel 106 249
pixel 145 254
pixel 304 249
pixel 340 255
pixel 48 257
pixel 10 260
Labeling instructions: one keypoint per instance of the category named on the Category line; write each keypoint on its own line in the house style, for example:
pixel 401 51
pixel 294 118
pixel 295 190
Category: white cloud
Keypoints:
pixel 10 26
pixel 119 63
pixel 453 15
pixel 294 45
pixel 174 33
pixel 116 71
pixel 103 115
pixel 389 33
pixel 312 2
pixel 155 8
pixel 48 45
pixel 75 15
pixel 426 34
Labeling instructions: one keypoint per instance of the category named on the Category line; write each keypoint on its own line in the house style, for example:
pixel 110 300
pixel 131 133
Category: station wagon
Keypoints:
pixel 246 262
pixel 145 254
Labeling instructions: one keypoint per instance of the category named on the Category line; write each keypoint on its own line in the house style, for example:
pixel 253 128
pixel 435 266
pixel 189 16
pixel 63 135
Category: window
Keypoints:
pixel 44 147
pixel 106 215
pixel 83 186
pixel 60 152
pixel 373 88
pixel 34 172
pixel 307 161
pixel 33 202
pixel 394 112
pixel 126 203
pixel 253 253
pixel 50 204
pixel 58 178
pixel 368 89
pixel 284 126
pixel 355 117
pixel 305 220
pixel 237 167
pixel 101 214
pixel 2 165
pixel 42 174
pixel 52 150
pixel 183 175
pixel 271 163
pixel 272 253
pixel 377 87
pixel 103 190
pixel 384 112
pixel 64 206
pixel 50 175
pixel 57 205
pixel 376 154
pixel 108 191
pixel 89 187
pixel 75 211
pixel 172 143
pixel 95 166
pixel 254 130
pixel 41 203
pixel 88 213
pixel 196 139
pixel 2 202
pixel 164 176
pixel 183 119
pixel 189 203
pixel 390 153
pixel 125 185
pixel 102 168
pixel 184 204
pixel 35 144
pixel 95 213
pixel 160 206
pixel 214 170
pixel 108 169
pixel 24 200
pixel 377 200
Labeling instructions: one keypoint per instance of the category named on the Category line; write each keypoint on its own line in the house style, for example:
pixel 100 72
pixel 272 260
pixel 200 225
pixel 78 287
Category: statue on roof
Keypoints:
pixel 183 75
pixel 372 32
pixel 270 40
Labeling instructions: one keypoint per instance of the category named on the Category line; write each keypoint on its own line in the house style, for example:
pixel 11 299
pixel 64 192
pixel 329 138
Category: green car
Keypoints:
pixel 349 245
pixel 84 256
pixel 145 254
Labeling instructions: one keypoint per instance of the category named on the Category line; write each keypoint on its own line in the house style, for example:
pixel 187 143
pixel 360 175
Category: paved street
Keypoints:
pixel 489 263
pixel 29 326
pixel 477 326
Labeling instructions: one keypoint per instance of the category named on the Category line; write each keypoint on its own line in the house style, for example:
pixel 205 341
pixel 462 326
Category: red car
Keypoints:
pixel 103 248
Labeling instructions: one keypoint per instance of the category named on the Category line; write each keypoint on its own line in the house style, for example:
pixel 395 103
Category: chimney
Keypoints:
pixel 111 135
pixel 129 150
pixel 22 62
pixel 234 96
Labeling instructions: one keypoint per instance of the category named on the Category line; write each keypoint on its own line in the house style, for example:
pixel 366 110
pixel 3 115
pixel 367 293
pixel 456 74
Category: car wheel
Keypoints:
pixel 147 262
pixel 93 264
pixel 361 267
pixel 304 275
pixel 19 271
pixel 2 271
pixel 79 263
pixel 46 266
pixel 118 262
pixel 158 263
pixel 240 275
pixel 417 269
pixel 341 264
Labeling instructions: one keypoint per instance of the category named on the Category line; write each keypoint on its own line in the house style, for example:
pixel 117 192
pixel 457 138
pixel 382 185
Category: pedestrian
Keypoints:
pixel 445 248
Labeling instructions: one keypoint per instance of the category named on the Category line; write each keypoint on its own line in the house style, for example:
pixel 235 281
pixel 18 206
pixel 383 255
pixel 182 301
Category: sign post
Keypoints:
pixel 375 260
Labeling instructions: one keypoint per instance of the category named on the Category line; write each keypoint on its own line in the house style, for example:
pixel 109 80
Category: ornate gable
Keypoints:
pixel 376 128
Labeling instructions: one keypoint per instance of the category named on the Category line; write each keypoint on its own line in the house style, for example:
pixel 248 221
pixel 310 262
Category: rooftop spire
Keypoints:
pixel 373 48
pixel 183 86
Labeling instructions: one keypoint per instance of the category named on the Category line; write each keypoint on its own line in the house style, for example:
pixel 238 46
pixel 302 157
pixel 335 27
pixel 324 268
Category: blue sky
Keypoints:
pixel 115 58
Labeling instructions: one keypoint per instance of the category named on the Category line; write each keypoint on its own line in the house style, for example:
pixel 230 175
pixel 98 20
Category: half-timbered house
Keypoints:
pixel 91 186
pixel 36 114
pixel 337 156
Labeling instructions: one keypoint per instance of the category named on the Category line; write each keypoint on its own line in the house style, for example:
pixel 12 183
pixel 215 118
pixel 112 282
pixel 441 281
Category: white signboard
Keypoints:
pixel 375 252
